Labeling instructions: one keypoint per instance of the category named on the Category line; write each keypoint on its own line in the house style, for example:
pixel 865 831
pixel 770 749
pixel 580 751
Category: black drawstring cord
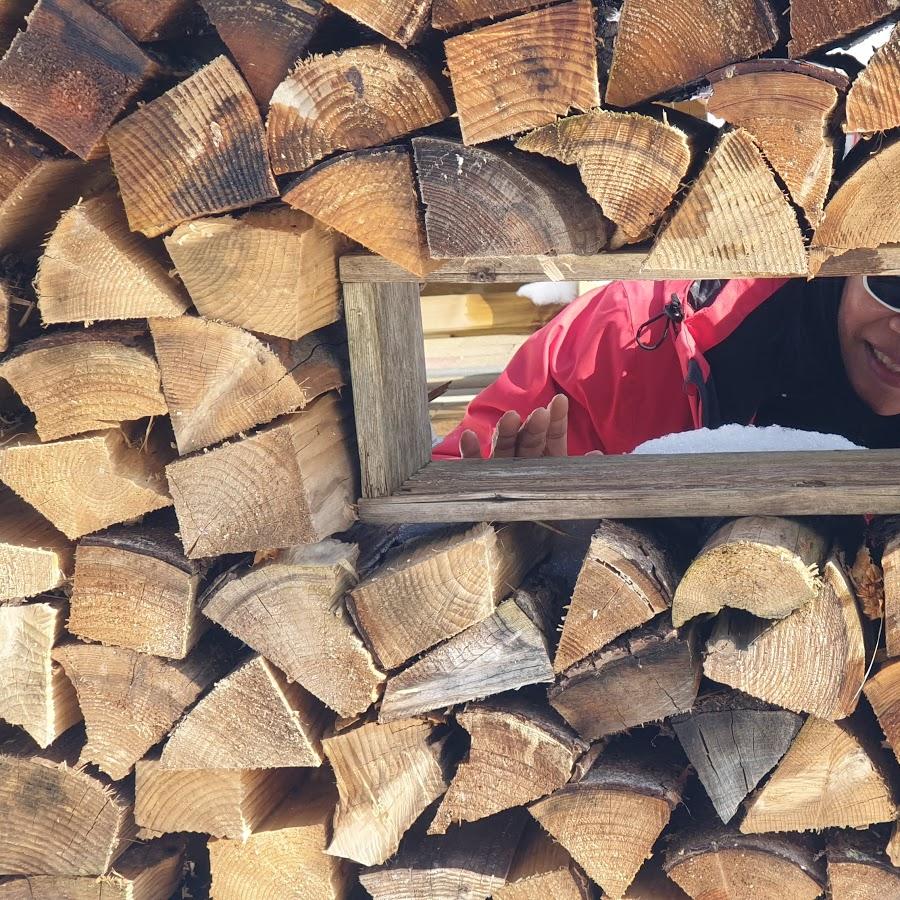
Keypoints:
pixel 673 313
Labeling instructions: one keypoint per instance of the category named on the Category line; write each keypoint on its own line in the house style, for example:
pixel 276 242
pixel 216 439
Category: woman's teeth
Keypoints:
pixel 886 361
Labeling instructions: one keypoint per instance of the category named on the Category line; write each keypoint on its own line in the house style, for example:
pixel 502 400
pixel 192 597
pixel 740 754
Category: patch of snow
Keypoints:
pixel 745 439
pixel 545 293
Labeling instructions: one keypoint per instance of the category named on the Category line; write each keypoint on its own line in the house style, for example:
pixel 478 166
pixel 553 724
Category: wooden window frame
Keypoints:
pixel 401 484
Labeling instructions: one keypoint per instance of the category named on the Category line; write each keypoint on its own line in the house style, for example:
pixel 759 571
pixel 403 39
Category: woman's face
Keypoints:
pixel 870 346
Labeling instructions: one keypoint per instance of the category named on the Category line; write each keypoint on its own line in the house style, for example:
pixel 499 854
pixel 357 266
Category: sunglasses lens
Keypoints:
pixel 886 288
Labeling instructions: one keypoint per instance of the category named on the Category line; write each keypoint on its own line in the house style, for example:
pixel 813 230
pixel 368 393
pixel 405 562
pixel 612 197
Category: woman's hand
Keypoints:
pixel 543 433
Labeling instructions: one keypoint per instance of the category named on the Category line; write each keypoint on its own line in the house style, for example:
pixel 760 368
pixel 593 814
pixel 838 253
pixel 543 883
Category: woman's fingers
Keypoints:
pixel 532 438
pixel 558 426
pixel 506 434
pixel 469 445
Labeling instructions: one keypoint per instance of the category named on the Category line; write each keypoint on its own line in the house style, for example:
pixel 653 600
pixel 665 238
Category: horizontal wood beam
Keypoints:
pixel 846 482
pixel 621 264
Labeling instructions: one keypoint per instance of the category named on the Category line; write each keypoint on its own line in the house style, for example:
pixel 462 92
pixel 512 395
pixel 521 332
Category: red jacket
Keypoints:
pixel 620 395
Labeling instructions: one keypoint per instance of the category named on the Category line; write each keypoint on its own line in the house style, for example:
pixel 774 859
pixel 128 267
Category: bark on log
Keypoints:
pixel 831 776
pixel 610 819
pixel 386 776
pixel 292 482
pixel 733 742
pixel 131 700
pixel 86 380
pixel 71 73
pixel 627 578
pixel 867 578
pixel 812 661
pixel 35 838
pixel 254 718
pixel 350 100
pixel 291 610
pixel 34 556
pixel 371 196
pixel 488 201
pixel 734 218
pixel 645 676
pixel 135 588
pixel 228 803
pixel 197 150
pixel 893 846
pixel 438 584
pixel 95 268
pixel 285 857
pixel 873 103
pixel 504 652
pixel 520 751
pixel 265 37
pixel 37 695
pixel 402 21
pixel 815 25
pixel 659 47
pixel 85 483
pixel 858 868
pixel 788 109
pixel 848 223
pixel 632 165
pixel 272 270
pixel 764 565
pixel 510 77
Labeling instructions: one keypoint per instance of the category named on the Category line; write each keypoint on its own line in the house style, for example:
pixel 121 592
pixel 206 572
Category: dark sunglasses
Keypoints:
pixel 885 289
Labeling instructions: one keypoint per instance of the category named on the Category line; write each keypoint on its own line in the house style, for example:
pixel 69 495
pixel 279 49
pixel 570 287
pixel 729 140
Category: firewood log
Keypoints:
pixel 716 862
pixel 541 868
pixel 370 196
pixel 285 857
pixel 34 556
pixel 386 776
pixel 229 803
pixel 833 776
pixel 632 165
pixel 448 15
pixel 71 73
pixel 733 742
pixel 272 270
pixel 210 119
pixel 135 588
pixel 349 100
pixel 762 564
pixel 510 77
pixel 815 25
pixel 37 694
pixel 291 610
pixel 627 578
pixel 811 661
pixel 848 222
pixel 85 380
pixel 292 482
pixel 735 217
pixel 265 37
pixel 644 676
pixel 143 872
pixel 610 819
pixel 85 483
pixel 219 380
pixel 439 583
pixel 867 578
pixel 873 103
pixel 488 201
pixel 131 700
pixel 7 301
pixel 504 652
pixel 127 278
pixel 858 868
pixel 883 691
pixel 651 883
pixel 402 21
pixel 37 182
pixel 893 846
pixel 890 563
pixel 36 837
pixel 659 47
pixel 252 719
pixel 520 751
pixel 787 108
pixel 471 861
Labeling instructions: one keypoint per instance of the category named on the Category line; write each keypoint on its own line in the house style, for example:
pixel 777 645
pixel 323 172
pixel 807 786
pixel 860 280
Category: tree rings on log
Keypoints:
pixel 873 103
pixel 350 100
pixel 448 15
pixel 815 24
pixel 402 21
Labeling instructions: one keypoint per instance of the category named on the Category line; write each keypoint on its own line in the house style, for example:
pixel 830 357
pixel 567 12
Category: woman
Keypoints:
pixel 639 360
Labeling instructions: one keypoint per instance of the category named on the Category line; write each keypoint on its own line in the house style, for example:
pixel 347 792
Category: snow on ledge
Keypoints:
pixel 744 439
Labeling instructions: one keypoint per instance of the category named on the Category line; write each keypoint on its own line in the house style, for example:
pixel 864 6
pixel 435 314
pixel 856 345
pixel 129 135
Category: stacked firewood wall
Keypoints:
pixel 210 671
